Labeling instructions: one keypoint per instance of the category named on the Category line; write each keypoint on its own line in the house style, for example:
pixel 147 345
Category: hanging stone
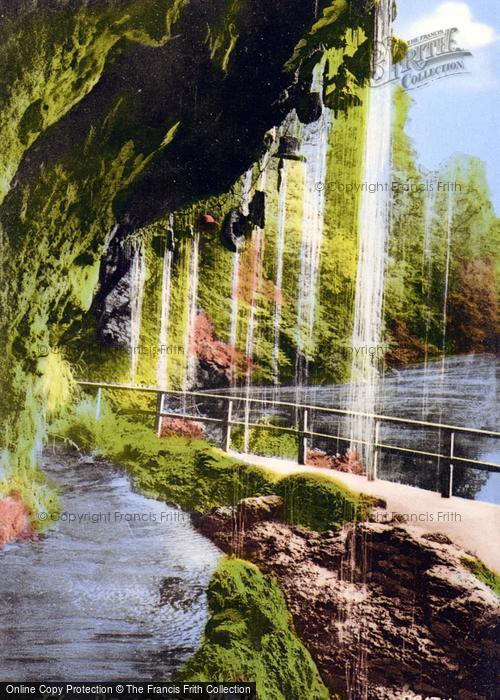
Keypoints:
pixel 257 209
pixel 289 149
pixel 207 223
pixel 234 229
pixel 309 107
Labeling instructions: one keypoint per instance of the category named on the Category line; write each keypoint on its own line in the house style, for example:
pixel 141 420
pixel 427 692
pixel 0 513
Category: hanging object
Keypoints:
pixel 234 229
pixel 257 209
pixel 207 223
pixel 309 107
pixel 289 149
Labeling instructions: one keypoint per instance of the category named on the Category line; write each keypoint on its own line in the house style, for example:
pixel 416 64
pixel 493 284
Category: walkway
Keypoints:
pixel 473 525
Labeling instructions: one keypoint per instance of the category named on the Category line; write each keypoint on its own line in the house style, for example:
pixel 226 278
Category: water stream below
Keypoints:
pixel 122 597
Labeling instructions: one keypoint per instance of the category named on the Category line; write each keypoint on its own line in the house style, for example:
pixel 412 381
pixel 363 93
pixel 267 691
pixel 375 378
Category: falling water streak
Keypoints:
pixel 280 246
pixel 315 150
pixel 166 288
pixel 429 216
pixel 353 582
pixel 137 279
pixel 447 272
pixel 373 229
pixel 234 313
pixel 109 236
pixel 189 336
pixel 257 242
pixel 445 311
pixel 246 187
pixel 251 332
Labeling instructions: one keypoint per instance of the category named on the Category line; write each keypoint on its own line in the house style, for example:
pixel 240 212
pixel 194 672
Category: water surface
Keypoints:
pixel 119 598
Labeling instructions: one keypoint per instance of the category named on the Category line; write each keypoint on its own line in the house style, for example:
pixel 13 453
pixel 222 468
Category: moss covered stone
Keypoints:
pixel 250 637
pixel 319 503
pixel 99 124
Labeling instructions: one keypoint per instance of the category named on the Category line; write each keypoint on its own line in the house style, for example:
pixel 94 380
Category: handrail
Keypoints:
pixel 289 404
pixel 446 462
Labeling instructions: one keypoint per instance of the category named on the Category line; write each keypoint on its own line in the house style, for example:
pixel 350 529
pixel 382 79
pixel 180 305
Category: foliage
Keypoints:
pixel 441 282
pixel 472 307
pixel 266 441
pixel 190 473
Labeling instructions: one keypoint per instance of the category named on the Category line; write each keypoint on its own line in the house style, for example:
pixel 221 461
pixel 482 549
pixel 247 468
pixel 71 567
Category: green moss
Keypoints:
pixel 483 573
pixel 56 58
pixel 83 280
pixel 54 222
pixel 250 637
pixel 23 440
pixel 331 360
pixel 190 473
pixel 399 49
pixel 266 441
pixel 320 503
pixel 223 34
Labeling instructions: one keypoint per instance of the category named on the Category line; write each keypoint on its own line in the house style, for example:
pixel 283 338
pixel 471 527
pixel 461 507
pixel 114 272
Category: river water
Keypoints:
pixel 119 598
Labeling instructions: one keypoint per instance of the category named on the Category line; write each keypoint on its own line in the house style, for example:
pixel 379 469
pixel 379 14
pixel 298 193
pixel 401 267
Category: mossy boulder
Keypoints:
pixel 250 637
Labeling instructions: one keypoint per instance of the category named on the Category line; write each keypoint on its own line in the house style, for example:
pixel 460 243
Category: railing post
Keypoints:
pixel 372 476
pixel 98 404
pixel 302 457
pixel 227 427
pixel 159 411
pixel 446 472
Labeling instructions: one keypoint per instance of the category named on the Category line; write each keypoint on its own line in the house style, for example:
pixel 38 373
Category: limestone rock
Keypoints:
pixel 383 609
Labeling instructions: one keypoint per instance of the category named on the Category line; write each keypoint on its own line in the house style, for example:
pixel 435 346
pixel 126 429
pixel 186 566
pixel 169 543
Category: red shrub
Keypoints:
pixel 214 352
pixel 14 520
pixel 181 427
pixel 350 462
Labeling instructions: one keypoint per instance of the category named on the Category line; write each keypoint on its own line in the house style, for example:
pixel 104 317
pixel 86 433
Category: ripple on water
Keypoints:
pixel 105 600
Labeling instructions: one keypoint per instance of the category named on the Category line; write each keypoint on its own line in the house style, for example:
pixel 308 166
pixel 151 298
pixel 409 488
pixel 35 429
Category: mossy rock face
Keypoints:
pixel 187 472
pixel 250 637
pixel 198 476
pixel 319 503
pixel 99 124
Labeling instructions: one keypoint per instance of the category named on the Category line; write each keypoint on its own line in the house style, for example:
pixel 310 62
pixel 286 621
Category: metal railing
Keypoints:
pixel 450 458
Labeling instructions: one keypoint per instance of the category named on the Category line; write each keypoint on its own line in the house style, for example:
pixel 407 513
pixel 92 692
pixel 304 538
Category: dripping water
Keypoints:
pixel 246 185
pixel 314 149
pixel 374 224
pixel 257 246
pixel 373 233
pixel 449 218
pixel 189 336
pixel 137 279
pixel 429 212
pixel 280 246
pixel 166 289
pixel 233 328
